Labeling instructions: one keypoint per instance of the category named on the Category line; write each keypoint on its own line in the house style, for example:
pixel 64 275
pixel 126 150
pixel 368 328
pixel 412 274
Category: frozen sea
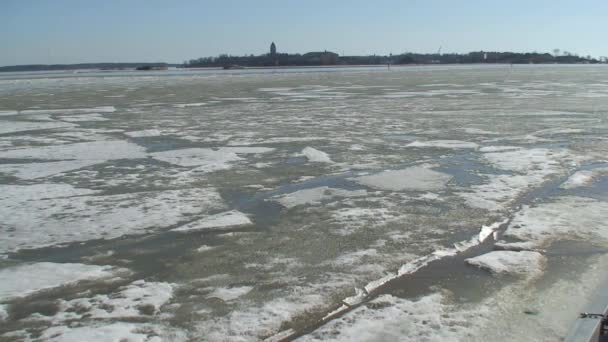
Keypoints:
pixel 457 203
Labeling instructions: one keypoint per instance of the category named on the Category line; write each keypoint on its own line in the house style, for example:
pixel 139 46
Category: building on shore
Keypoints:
pixel 273 54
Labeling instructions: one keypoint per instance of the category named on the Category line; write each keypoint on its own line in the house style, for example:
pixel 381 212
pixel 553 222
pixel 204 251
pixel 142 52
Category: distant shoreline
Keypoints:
pixel 71 67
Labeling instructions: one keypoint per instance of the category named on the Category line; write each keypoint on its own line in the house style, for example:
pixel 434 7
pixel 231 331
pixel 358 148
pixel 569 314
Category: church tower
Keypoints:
pixel 273 54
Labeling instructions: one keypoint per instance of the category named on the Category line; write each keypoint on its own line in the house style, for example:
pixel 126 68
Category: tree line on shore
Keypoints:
pixel 316 58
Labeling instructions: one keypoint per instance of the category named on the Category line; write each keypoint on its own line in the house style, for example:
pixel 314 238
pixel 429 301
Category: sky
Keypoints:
pixel 84 31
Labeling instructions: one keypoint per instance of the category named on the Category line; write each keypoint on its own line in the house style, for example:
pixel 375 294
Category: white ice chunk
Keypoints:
pixel 473 130
pixel 281 336
pixel 144 133
pixel 455 144
pixel 84 118
pixel 24 280
pixel 223 220
pixel 230 293
pixel 415 178
pixel 186 105
pixel 525 263
pixel 498 148
pixel 316 156
pixel 41 170
pixel 95 152
pixel 24 126
pixel 486 231
pixel 315 196
pixel 375 284
pixel 208 160
pixel 358 298
pixel 102 109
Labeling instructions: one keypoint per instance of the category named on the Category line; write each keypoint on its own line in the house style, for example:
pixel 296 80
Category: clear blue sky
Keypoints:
pixel 76 31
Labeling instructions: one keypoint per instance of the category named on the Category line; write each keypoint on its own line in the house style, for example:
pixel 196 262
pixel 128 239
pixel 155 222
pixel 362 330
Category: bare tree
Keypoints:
pixel 556 52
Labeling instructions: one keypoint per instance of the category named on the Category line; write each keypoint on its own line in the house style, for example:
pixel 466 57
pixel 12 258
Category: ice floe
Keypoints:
pixel 95 151
pixel 43 215
pixel 230 293
pixel 24 280
pixel 144 133
pixel 315 196
pixel 389 318
pixel 41 170
pixel 456 144
pixel 566 217
pixel 584 178
pixel 83 118
pixel 102 109
pixel 24 126
pixel 531 168
pixel 415 178
pixel 206 159
pixel 112 332
pixel 233 218
pixel 186 105
pixel 140 298
pixel 526 263
pixel 316 156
